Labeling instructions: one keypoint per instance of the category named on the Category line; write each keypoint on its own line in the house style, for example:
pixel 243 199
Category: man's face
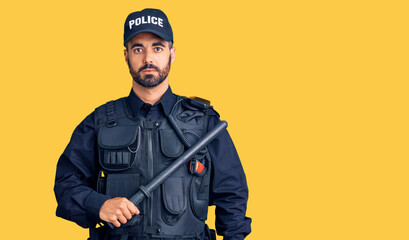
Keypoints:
pixel 149 59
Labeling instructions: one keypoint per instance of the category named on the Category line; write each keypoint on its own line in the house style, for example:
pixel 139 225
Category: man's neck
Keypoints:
pixel 150 95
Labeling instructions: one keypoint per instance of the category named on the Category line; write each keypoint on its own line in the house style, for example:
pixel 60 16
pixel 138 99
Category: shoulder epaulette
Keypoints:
pixel 200 103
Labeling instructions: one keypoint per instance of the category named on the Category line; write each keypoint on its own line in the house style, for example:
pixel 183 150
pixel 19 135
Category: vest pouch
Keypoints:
pixel 116 160
pixel 122 185
pixel 174 199
pixel 117 137
pixel 170 144
pixel 118 146
pixel 199 197
pixel 199 192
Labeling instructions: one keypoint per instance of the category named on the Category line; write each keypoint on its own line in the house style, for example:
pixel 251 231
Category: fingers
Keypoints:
pixel 128 209
pixel 117 218
pixel 122 219
pixel 114 221
pixel 132 208
pixel 126 213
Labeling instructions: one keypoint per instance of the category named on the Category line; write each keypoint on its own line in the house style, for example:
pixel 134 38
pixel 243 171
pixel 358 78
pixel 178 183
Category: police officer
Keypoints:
pixel 125 143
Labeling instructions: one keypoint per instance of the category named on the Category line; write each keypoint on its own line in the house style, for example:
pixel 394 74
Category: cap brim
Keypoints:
pixel 161 35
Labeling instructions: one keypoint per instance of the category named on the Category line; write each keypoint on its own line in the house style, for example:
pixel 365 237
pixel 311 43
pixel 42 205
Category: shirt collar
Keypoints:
pixel 167 101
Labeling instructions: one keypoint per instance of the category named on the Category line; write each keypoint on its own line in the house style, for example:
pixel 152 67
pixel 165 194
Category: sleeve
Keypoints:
pixel 76 177
pixel 228 187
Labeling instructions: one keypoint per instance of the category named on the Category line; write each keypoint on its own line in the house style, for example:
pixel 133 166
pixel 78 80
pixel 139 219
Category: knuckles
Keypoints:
pixel 114 210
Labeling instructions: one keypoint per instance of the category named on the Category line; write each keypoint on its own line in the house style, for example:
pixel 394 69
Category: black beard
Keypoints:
pixel 150 80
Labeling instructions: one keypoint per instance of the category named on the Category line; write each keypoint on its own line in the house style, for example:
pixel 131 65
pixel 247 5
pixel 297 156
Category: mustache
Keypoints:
pixel 148 66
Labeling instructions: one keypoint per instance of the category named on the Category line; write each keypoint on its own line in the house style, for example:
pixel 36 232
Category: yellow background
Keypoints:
pixel 315 93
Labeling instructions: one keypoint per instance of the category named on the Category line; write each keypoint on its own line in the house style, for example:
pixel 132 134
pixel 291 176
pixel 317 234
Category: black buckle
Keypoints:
pixel 111 123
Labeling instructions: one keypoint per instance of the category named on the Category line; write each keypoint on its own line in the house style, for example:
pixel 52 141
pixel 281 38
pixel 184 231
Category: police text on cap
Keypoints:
pixel 151 20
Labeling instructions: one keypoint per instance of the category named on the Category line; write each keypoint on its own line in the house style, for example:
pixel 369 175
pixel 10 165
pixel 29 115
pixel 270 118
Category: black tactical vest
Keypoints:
pixel 132 151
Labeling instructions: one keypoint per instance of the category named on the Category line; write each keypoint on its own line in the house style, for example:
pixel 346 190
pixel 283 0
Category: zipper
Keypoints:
pixel 150 174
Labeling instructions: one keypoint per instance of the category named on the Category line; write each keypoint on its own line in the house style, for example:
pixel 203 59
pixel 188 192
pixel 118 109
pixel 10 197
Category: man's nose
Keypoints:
pixel 148 57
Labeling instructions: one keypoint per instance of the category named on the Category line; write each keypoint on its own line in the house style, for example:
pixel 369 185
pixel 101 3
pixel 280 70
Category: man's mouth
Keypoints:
pixel 149 70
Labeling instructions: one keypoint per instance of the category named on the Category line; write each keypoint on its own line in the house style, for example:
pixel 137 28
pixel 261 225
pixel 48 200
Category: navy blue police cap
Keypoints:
pixel 148 20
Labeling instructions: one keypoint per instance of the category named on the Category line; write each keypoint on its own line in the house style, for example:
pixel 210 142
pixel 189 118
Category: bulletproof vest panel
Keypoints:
pixel 132 151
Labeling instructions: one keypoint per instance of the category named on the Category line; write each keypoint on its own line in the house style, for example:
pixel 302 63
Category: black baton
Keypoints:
pixel 145 191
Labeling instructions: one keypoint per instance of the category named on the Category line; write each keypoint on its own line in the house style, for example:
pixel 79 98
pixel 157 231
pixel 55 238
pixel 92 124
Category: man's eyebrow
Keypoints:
pixel 136 45
pixel 158 44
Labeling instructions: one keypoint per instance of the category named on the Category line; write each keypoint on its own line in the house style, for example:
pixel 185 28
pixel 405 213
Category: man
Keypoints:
pixel 125 143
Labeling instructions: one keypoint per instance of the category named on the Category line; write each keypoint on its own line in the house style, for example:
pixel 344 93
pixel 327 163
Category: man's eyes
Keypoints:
pixel 137 50
pixel 158 49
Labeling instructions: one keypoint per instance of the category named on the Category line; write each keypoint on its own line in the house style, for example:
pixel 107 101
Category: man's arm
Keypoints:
pixel 76 177
pixel 228 189
pixel 75 181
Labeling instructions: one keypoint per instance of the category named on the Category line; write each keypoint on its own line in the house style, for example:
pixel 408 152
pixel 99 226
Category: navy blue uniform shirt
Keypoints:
pixel 77 173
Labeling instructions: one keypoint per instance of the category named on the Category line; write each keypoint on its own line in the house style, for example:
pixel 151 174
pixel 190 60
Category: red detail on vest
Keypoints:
pixel 199 167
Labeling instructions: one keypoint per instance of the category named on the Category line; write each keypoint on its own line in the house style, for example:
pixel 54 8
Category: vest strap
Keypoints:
pixel 110 112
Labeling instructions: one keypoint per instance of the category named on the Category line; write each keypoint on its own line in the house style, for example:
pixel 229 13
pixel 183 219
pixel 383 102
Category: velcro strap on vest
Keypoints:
pixel 110 111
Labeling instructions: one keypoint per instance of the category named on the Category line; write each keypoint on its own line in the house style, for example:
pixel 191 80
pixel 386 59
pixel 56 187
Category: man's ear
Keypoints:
pixel 126 55
pixel 172 54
